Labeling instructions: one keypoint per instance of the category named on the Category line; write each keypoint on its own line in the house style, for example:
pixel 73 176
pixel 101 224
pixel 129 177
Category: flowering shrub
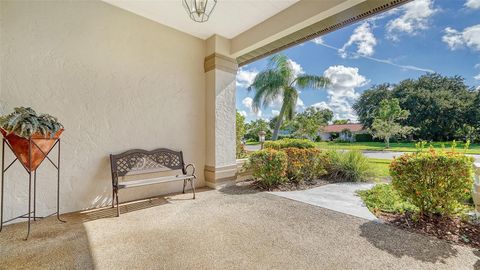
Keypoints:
pixel 304 164
pixel 434 181
pixel 269 167
pixel 289 143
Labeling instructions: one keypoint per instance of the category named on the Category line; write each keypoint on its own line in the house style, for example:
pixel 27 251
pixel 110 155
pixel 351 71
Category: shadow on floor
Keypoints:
pixel 109 212
pixel 400 243
pixel 239 189
pixel 50 239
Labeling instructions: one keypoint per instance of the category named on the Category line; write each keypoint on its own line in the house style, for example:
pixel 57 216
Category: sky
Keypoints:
pixel 419 37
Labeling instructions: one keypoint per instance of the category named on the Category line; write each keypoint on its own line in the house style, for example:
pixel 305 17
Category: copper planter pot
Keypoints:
pixel 38 143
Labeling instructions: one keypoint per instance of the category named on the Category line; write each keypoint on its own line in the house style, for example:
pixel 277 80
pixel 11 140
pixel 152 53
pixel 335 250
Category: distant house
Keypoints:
pixel 345 132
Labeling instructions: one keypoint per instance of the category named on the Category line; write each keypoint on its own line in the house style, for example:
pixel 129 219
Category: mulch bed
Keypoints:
pixel 288 186
pixel 453 230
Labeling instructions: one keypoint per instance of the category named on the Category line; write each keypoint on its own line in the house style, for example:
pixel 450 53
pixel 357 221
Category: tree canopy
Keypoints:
pixel 386 122
pixel 439 106
pixel 279 81
pixel 307 123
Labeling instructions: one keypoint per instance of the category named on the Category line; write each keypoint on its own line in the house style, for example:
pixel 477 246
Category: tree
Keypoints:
pixel 308 123
pixel 439 105
pixel 341 121
pixel 254 127
pixel 385 124
pixel 367 104
pixel 240 132
pixel 469 133
pixel 279 80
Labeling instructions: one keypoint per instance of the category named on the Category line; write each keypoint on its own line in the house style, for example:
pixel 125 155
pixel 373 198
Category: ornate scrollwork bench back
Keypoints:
pixel 139 161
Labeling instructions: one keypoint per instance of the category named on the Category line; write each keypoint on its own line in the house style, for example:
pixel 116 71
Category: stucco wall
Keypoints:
pixel 115 80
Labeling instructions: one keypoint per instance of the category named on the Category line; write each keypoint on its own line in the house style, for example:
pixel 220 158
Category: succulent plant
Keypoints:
pixel 24 122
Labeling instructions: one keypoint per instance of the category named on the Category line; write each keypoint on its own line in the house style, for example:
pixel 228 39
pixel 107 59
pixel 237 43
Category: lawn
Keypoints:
pixel 379 166
pixel 252 143
pixel 401 147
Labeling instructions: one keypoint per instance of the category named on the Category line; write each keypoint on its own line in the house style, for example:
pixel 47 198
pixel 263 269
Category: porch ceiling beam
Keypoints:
pixel 303 21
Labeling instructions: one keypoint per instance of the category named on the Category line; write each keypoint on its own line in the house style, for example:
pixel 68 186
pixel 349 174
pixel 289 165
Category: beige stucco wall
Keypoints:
pixel 115 80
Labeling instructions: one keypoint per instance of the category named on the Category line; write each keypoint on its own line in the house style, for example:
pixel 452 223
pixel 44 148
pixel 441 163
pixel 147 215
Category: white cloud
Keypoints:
pixel 342 91
pixel 321 105
pixel 473 4
pixel 318 40
pixel 469 37
pixel 300 103
pixel 363 39
pixel 384 61
pixel 297 68
pixel 248 103
pixel 415 18
pixel 275 112
pixel 244 113
pixel 245 77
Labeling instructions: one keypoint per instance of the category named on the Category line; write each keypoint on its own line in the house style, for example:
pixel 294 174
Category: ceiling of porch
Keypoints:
pixel 230 17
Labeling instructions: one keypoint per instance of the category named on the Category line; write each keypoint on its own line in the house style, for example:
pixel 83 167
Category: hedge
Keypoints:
pixel 269 167
pixel 304 164
pixel 436 182
pixel 289 143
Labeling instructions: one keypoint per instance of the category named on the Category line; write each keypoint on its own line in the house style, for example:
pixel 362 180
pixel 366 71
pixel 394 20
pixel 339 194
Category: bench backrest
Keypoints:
pixel 139 161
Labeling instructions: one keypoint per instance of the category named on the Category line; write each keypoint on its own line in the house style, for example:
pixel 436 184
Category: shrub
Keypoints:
pixel 348 166
pixel 289 143
pixel 383 197
pixel 363 137
pixel 434 181
pixel 304 164
pixel 240 132
pixel 269 167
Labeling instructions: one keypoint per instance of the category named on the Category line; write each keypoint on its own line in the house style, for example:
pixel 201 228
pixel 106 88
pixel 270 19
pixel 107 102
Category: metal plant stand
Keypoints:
pixel 31 213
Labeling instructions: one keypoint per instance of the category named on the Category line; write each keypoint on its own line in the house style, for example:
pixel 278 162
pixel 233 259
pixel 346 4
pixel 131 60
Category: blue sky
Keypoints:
pixel 422 36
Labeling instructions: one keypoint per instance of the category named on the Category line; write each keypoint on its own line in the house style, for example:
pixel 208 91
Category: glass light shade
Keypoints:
pixel 199 10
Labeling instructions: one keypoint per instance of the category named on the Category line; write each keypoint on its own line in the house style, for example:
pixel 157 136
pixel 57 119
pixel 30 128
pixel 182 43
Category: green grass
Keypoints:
pixel 252 143
pixel 401 147
pixel 384 198
pixel 379 166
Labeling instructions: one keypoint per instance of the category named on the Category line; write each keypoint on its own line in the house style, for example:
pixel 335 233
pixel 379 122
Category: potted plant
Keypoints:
pixel 24 129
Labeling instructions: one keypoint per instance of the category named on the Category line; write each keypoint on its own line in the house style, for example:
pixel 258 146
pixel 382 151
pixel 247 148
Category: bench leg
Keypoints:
pixel 184 184
pixel 113 197
pixel 192 182
pixel 118 207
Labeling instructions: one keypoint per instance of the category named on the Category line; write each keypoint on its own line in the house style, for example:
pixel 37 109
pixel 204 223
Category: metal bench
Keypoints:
pixel 138 161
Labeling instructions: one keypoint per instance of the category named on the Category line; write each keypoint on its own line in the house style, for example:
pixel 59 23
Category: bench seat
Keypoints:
pixel 152 181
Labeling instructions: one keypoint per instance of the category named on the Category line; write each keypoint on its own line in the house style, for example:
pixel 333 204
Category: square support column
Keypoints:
pixel 220 77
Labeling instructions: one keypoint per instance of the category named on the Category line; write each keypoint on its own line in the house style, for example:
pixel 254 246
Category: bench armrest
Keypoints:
pixel 193 167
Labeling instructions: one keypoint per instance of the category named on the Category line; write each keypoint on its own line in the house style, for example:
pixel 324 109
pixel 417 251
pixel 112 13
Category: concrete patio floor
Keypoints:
pixel 232 228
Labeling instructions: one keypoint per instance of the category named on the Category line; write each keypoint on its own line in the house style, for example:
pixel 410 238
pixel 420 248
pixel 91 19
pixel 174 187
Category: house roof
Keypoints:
pixel 340 128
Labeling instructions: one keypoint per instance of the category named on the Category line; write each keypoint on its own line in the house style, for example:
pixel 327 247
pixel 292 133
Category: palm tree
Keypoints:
pixel 278 80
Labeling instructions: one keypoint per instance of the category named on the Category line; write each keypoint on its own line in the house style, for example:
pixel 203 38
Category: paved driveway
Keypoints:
pixel 391 155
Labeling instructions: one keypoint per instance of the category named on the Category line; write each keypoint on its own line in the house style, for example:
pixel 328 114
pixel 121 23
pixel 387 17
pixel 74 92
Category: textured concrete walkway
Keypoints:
pixel 341 197
pixel 234 228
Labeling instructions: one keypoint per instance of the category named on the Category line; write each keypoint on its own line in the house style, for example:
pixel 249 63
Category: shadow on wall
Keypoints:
pixel 399 243
pixel 56 245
